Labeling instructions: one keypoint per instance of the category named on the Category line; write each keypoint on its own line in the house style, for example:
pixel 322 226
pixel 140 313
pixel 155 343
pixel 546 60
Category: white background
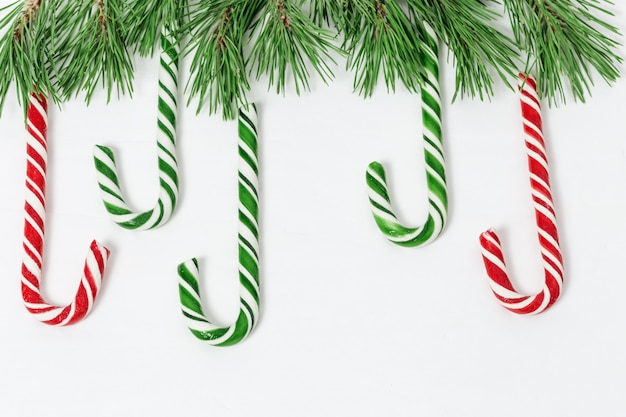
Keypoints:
pixel 351 325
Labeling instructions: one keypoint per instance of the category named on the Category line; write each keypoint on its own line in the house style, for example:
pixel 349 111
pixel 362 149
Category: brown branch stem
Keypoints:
pixel 102 18
pixel 282 9
pixel 30 8
pixel 221 28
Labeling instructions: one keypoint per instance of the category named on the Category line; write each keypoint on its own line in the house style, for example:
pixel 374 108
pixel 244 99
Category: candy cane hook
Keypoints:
pixel 188 271
pixel 379 198
pixel 35 208
pixel 104 157
pixel 545 218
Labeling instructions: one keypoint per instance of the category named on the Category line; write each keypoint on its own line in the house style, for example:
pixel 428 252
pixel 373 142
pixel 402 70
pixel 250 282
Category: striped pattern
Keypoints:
pixel 104 157
pixel 188 271
pixel 545 218
pixel 34 222
pixel 378 191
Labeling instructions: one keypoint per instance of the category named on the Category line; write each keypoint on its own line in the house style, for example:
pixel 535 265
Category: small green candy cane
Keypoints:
pixel 435 168
pixel 104 157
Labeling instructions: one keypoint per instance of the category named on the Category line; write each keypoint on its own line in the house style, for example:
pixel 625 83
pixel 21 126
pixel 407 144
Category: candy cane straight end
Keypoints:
pixel 487 236
pixel 188 265
pixel 376 167
pixel 97 247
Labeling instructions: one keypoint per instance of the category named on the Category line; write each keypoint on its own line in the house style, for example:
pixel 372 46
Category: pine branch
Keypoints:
pixel 218 71
pixel 565 40
pixel 465 28
pixel 142 22
pixel 92 51
pixel 328 12
pixel 25 51
pixel 380 36
pixel 287 41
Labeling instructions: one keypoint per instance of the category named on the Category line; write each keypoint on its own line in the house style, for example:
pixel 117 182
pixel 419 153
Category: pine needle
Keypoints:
pixel 218 70
pixel 287 41
pixel 26 51
pixel 565 40
pixel 329 12
pixel 142 22
pixel 93 53
pixel 478 48
pixel 380 36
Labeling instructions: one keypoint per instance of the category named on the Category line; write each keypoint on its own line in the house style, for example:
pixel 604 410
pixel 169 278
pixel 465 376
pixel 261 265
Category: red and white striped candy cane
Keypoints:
pixel 545 219
pixel 35 207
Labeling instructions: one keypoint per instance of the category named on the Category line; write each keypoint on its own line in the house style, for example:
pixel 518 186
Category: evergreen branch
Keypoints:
pixel 341 14
pixel 464 26
pixel 565 40
pixel 92 51
pixel 218 72
pixel 380 36
pixel 327 12
pixel 286 39
pixel 141 24
pixel 25 51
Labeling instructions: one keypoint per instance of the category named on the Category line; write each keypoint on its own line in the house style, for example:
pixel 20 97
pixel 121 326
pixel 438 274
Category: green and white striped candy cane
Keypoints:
pixel 435 169
pixel 104 157
pixel 188 272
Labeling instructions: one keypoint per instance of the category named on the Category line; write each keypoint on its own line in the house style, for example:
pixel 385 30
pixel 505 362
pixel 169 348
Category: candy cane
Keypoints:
pixel 104 157
pixel 379 198
pixel 188 271
pixel 545 219
pixel 35 207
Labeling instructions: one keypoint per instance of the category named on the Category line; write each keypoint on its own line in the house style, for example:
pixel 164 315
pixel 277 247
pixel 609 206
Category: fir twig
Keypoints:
pixel 25 51
pixel 464 26
pixel 93 51
pixel 287 39
pixel 379 35
pixel 218 71
pixel 565 40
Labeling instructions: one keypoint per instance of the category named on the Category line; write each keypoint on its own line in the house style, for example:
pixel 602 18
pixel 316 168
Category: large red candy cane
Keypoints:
pixel 35 207
pixel 545 218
